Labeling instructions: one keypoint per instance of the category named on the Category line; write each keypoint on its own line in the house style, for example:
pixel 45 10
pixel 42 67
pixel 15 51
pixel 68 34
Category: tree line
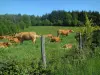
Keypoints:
pixel 74 18
pixel 12 23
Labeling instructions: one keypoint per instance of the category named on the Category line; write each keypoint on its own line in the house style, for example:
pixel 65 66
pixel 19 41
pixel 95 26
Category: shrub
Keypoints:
pixel 96 38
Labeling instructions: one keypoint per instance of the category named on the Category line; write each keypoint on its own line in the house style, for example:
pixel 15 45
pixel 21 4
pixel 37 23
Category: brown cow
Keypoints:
pixel 4 44
pixel 27 36
pixel 68 46
pixel 63 32
pixel 54 39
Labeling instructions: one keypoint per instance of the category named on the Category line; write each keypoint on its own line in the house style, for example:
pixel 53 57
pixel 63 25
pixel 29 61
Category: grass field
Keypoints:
pixel 30 50
pixel 27 52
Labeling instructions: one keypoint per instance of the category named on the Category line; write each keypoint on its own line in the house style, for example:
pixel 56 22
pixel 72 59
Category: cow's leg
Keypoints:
pixel 21 41
pixel 66 34
pixel 33 40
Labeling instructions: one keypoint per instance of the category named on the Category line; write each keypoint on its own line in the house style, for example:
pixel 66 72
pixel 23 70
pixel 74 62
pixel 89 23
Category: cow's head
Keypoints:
pixel 71 31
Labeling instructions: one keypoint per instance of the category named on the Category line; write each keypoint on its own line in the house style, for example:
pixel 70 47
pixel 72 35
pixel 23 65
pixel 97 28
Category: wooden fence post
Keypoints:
pixel 43 51
pixel 80 41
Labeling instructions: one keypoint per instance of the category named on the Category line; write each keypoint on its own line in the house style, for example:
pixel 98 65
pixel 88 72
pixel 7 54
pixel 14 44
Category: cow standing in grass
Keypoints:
pixel 27 36
pixel 63 32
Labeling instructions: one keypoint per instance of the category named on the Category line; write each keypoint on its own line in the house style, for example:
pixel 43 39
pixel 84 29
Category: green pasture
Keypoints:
pixel 56 56
pixel 28 51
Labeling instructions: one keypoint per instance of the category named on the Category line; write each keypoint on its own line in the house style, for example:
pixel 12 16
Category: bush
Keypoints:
pixel 12 67
pixel 96 38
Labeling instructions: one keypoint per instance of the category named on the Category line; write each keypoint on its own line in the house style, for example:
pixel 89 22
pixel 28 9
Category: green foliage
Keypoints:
pixel 12 23
pixel 46 23
pixel 96 38
pixel 74 18
pixel 10 68
pixel 59 22
pixel 26 20
pixel 22 25
pixel 75 21
pixel 89 39
pixel 87 34
pixel 1 31
pixel 13 67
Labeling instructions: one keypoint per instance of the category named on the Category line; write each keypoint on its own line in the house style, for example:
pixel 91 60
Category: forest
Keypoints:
pixel 12 23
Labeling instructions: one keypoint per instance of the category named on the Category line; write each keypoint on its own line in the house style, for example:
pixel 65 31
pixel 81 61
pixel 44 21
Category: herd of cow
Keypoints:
pixel 20 37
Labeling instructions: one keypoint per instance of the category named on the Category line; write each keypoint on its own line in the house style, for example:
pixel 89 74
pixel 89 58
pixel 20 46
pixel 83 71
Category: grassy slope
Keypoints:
pixel 29 51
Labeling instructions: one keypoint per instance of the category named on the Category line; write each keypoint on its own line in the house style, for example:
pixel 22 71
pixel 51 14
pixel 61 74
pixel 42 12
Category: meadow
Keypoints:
pixel 60 61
